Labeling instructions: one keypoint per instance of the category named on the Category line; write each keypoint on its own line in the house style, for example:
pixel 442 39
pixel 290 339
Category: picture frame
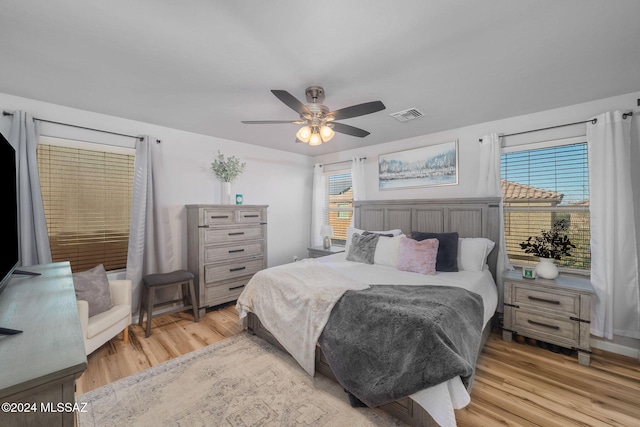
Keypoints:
pixel 430 166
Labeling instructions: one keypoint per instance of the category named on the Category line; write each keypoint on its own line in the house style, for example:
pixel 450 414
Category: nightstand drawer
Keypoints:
pixel 554 329
pixel 547 299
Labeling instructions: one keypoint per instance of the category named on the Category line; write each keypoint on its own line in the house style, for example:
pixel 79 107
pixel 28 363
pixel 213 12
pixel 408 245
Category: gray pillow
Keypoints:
pixel 92 286
pixel 363 248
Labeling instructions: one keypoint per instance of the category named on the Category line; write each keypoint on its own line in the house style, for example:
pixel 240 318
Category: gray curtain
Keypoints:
pixel 150 242
pixel 33 237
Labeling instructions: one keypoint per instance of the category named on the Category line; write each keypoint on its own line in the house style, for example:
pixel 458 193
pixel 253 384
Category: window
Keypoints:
pixel 339 203
pixel 542 184
pixel 87 191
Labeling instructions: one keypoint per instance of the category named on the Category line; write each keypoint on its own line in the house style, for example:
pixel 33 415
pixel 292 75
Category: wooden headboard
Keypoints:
pixel 472 217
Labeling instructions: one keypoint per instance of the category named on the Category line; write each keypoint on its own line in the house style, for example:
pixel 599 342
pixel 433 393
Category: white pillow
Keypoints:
pixel 351 230
pixel 388 250
pixel 473 253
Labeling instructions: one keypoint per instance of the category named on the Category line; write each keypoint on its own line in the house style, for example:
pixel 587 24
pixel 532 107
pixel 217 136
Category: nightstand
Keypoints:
pixel 320 251
pixel 554 311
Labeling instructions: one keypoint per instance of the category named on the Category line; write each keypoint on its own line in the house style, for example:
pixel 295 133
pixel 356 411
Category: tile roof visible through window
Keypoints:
pixel 514 192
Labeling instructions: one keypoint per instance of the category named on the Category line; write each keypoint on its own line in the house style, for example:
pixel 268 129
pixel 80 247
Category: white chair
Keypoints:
pixel 100 328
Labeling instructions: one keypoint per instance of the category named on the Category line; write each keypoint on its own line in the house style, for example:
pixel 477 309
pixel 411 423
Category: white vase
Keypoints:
pixel 225 198
pixel 546 269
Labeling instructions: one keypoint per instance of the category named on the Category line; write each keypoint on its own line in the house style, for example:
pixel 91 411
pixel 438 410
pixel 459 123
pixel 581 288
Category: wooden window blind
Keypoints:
pixel 541 185
pixel 87 196
pixel 339 203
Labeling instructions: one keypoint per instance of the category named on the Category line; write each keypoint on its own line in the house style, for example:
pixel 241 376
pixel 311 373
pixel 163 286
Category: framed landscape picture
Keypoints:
pixel 419 167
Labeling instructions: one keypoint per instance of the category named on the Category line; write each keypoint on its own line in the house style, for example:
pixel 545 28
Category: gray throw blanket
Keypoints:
pixel 388 342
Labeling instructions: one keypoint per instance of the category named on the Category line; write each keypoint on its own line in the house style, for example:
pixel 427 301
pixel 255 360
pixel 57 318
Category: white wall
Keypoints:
pixel 469 147
pixel 469 151
pixel 272 177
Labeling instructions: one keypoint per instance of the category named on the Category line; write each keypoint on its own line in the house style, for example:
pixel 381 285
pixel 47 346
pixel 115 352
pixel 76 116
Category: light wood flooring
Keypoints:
pixel 515 385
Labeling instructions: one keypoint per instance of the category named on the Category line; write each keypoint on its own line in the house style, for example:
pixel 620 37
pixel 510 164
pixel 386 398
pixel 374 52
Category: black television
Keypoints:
pixel 9 251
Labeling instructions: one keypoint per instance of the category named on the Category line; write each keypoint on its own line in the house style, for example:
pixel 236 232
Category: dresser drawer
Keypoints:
pixel 215 253
pixel 547 299
pixel 215 273
pixel 214 216
pixel 228 235
pixel 554 329
pixel 223 292
pixel 248 216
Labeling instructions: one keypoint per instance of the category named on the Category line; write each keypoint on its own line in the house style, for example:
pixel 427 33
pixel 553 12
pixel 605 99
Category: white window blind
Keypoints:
pixel 87 199
pixel 339 204
pixel 542 185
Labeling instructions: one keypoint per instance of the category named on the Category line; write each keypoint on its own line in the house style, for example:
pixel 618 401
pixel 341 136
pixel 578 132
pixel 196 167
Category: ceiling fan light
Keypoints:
pixel 315 139
pixel 326 133
pixel 304 134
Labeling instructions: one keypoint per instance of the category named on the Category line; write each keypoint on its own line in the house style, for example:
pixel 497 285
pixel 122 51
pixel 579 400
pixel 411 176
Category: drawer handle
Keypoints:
pixel 239 233
pixel 236 287
pixel 554 327
pixel 237 269
pixel 251 216
pixel 220 217
pixel 544 300
pixel 233 251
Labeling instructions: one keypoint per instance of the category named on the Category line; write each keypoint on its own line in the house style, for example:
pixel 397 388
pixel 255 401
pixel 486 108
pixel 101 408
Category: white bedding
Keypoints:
pixel 294 302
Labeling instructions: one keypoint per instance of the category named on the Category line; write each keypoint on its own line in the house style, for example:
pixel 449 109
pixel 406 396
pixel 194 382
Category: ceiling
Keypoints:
pixel 205 65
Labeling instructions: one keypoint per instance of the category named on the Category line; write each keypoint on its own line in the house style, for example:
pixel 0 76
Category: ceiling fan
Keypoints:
pixel 319 123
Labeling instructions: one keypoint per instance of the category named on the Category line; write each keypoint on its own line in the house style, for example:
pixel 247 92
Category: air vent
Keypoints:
pixel 406 115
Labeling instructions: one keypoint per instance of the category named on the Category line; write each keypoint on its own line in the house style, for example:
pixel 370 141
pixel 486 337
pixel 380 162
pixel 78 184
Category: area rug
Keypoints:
pixel 240 381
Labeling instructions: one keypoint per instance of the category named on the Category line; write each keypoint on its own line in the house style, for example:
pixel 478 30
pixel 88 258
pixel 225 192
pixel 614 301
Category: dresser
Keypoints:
pixel 226 245
pixel 39 366
pixel 554 311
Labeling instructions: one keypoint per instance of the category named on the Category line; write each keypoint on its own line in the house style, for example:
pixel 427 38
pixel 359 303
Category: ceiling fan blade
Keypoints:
pixel 266 122
pixel 358 110
pixel 291 101
pixel 349 130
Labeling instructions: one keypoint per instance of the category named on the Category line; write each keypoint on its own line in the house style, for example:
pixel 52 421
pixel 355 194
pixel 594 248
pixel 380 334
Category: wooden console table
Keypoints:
pixel 40 365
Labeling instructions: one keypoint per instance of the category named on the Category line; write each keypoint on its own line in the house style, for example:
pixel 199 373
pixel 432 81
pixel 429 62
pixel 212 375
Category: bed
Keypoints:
pixel 320 287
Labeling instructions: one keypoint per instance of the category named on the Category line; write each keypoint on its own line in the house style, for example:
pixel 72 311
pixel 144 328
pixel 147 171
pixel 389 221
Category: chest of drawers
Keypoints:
pixel 554 311
pixel 226 246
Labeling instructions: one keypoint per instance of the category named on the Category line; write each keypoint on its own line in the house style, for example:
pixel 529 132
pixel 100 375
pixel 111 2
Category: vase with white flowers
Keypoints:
pixel 227 169
pixel 551 245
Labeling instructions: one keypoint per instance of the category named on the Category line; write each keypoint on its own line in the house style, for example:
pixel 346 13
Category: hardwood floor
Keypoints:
pixel 516 384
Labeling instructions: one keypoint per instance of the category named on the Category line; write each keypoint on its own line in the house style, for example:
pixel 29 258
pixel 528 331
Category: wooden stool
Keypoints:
pixel 180 278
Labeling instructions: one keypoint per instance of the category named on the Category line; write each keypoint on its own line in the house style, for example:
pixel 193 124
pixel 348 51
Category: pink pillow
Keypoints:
pixel 419 257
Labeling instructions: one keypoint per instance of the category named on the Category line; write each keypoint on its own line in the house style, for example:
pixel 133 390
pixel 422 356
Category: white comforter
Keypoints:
pixel 294 301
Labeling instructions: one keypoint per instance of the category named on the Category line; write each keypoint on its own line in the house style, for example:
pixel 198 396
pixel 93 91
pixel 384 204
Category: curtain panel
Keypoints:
pixel 150 242
pixel 33 237
pixel 317 205
pixel 614 253
pixel 489 186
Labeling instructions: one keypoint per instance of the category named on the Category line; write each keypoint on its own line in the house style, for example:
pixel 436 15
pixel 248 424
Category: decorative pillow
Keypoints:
pixel 352 230
pixel 473 253
pixel 363 248
pixel 419 257
pixel 388 250
pixel 447 249
pixel 93 286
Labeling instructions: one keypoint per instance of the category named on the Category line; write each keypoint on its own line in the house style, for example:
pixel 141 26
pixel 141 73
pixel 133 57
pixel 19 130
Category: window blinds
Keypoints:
pixel 339 203
pixel 87 199
pixel 541 186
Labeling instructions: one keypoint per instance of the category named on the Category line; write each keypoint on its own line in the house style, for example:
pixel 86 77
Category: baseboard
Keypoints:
pixel 615 348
